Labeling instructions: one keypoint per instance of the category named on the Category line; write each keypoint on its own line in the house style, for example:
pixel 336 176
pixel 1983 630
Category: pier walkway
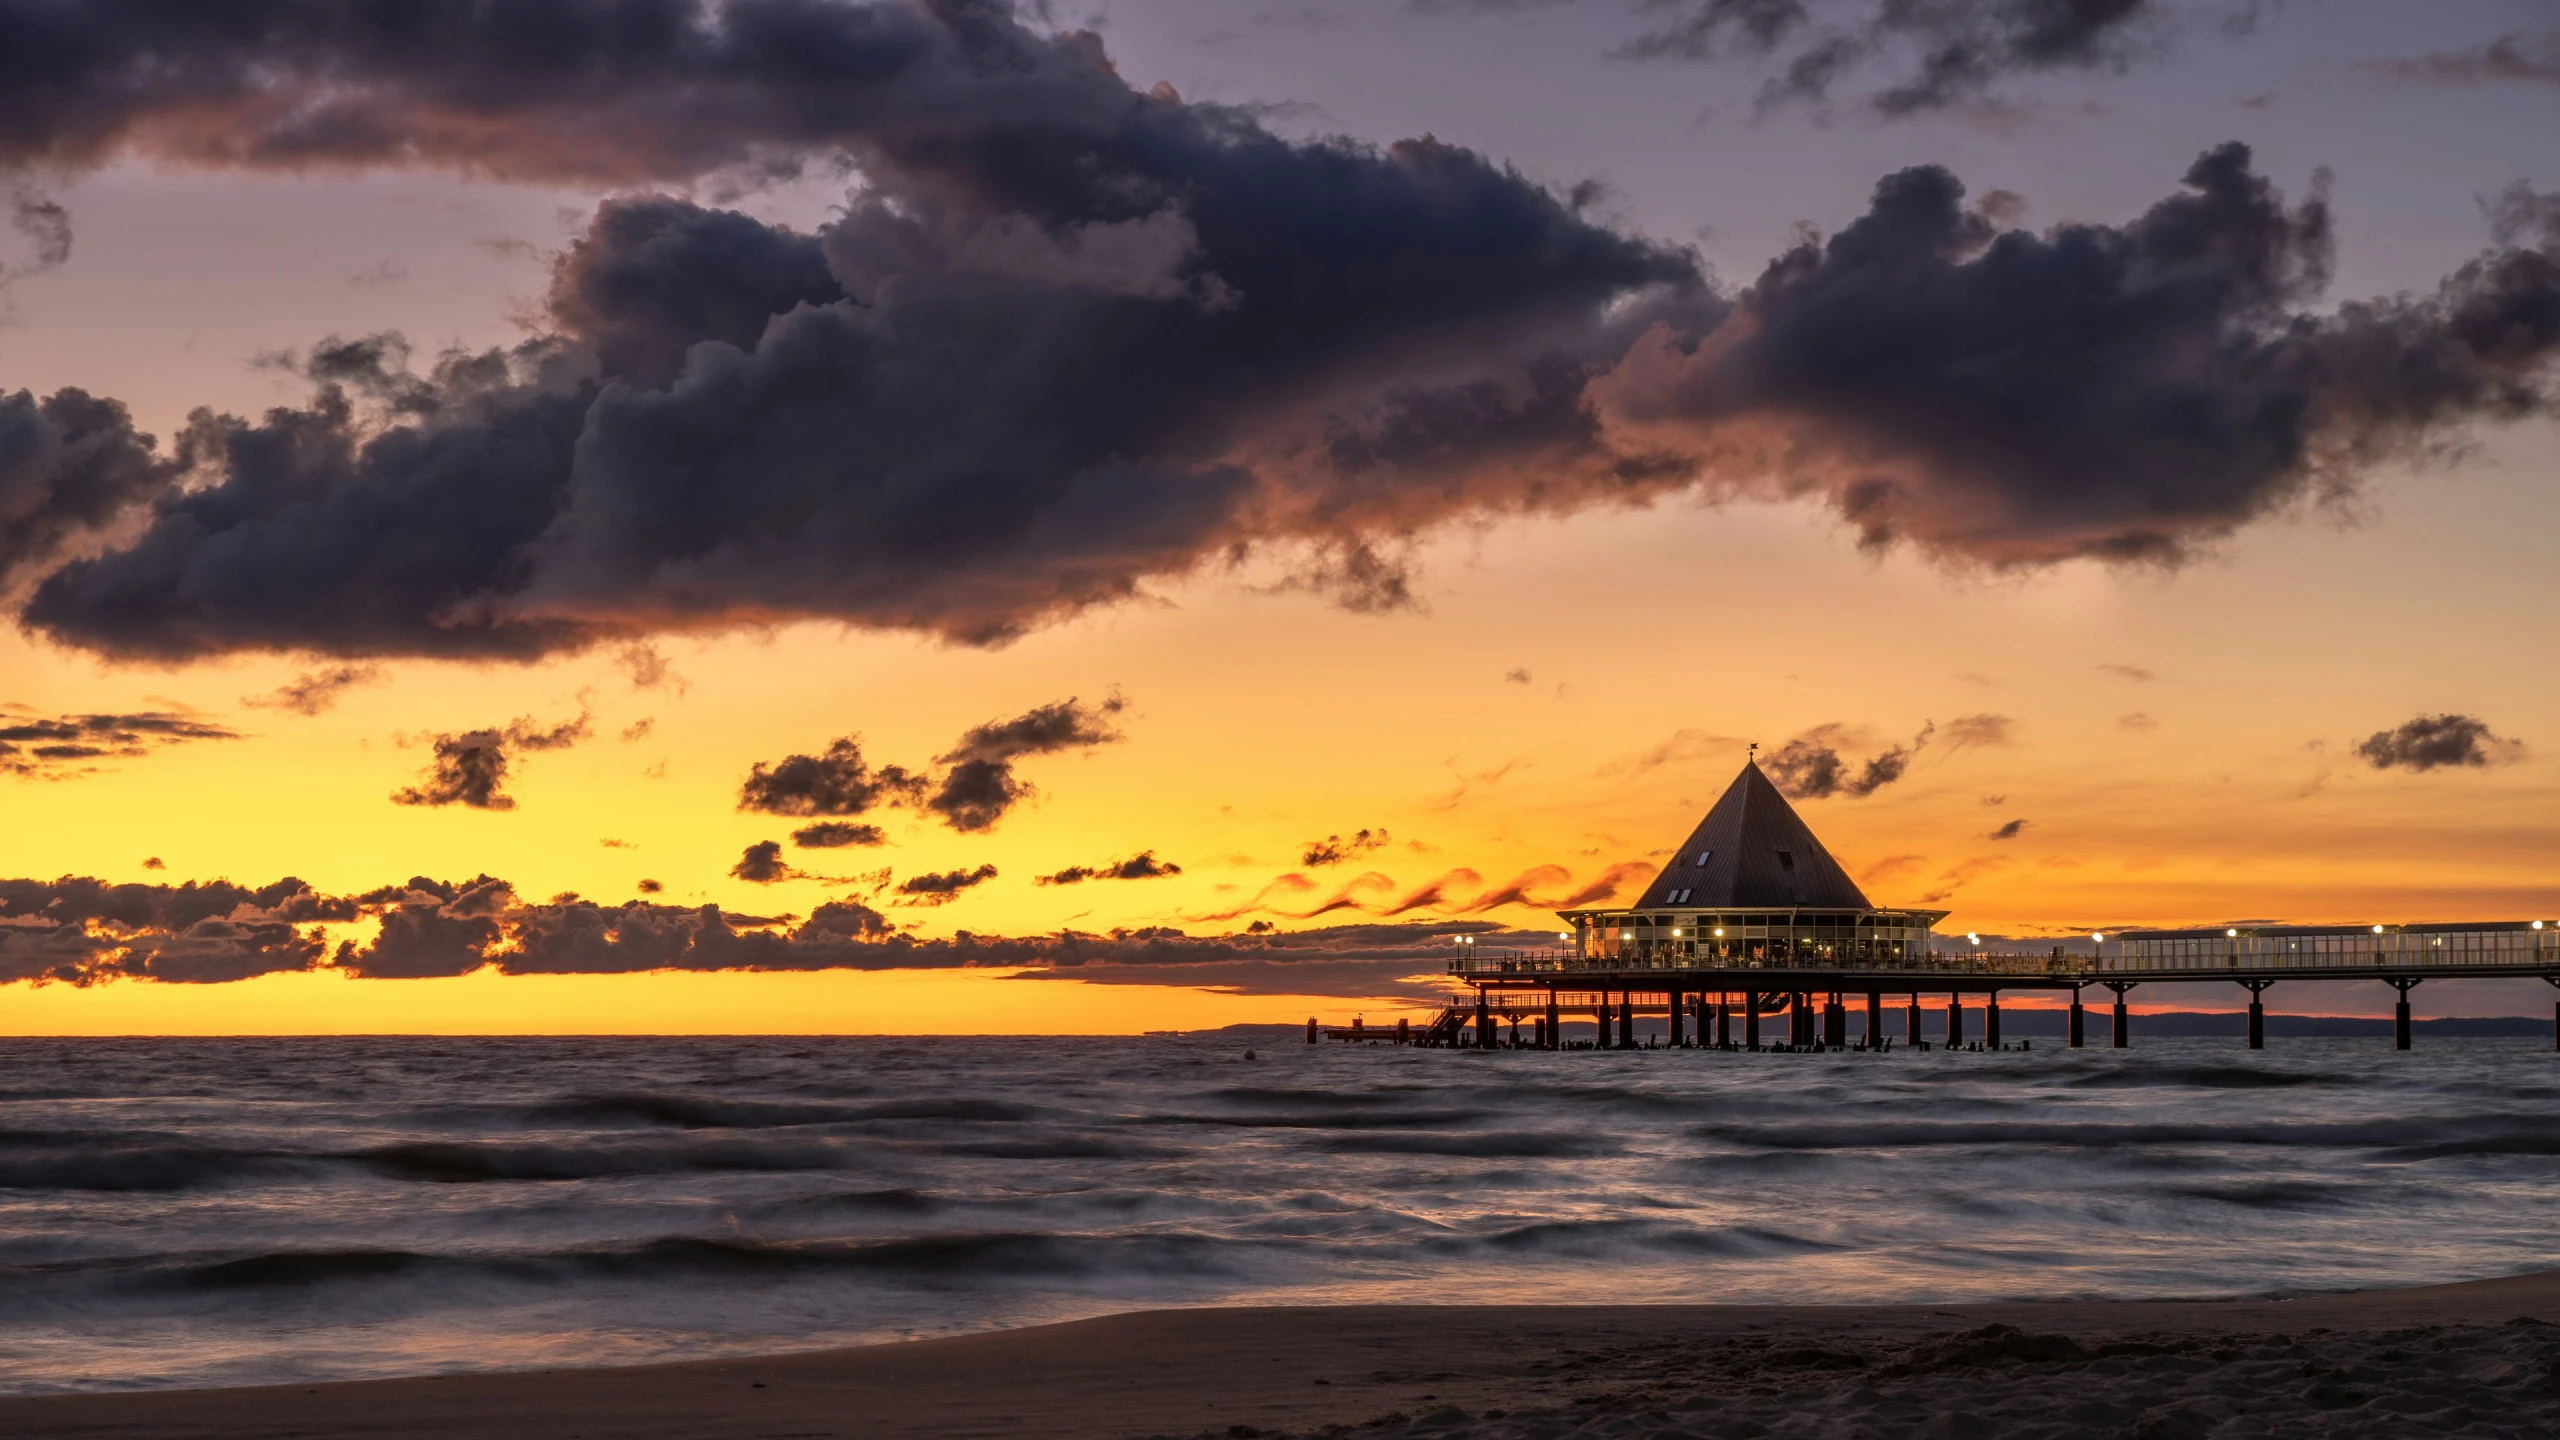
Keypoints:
pixel 1704 988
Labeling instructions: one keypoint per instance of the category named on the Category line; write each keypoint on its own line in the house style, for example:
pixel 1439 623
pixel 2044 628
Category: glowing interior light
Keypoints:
pixel 1719 934
pixel 1675 932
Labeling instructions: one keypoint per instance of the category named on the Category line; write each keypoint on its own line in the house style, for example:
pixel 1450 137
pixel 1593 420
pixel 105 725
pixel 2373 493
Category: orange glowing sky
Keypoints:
pixel 1564 692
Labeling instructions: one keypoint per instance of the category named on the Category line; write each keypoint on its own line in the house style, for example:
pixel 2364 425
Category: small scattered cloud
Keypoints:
pixel 470 769
pixel 1606 886
pixel 980 788
pixel 2519 58
pixel 1142 866
pixel 648 670
pixel 1983 731
pixel 1811 766
pixel 943 887
pixel 649 887
pixel 2436 742
pixel 60 747
pixel 1993 802
pixel 1516 675
pixel 2134 673
pixel 316 691
pixel 836 782
pixel 1891 868
pixel 1333 849
pixel 1683 747
pixel 1975 677
pixel 762 864
pixel 381 272
pixel 837 834
pixel 2138 721
pixel 154 863
pixel 612 844
pixel 639 729
pixel 2010 831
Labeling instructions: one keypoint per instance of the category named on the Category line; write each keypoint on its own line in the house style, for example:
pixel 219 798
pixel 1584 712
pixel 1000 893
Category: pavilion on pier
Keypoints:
pixel 1751 885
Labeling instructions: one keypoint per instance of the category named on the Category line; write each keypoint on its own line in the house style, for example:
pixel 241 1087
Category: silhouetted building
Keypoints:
pixel 1752 883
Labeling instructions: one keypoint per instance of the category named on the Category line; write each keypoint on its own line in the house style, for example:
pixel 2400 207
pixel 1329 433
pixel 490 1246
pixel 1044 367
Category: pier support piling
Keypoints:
pixel 1626 1019
pixel 1484 1022
pixel 2400 1014
pixel 1955 1021
pixel 1679 1022
pixel 1835 1022
pixel 2076 1013
pixel 1751 1019
pixel 1991 1021
pixel 2123 1035
pixel 1875 1019
pixel 1555 1022
pixel 2257 1013
pixel 1911 1029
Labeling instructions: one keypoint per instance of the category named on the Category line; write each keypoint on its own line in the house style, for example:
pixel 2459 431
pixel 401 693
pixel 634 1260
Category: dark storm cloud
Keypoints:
pixel 1077 321
pixel 315 692
pixel 1333 849
pixel 58 746
pixel 835 834
pixel 653 277
pixel 2432 742
pixel 980 787
pixel 942 887
pixel 1070 339
pixel 838 782
pixel 612 91
pixel 1811 767
pixel 70 464
pixel 471 768
pixel 1926 55
pixel 2122 393
pixel 1142 866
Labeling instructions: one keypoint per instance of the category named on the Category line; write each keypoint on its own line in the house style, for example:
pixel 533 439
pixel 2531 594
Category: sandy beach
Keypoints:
pixel 2475 1358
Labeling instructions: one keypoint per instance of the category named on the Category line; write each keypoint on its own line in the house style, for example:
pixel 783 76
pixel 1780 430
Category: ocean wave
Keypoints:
pixel 1494 1145
pixel 459 1162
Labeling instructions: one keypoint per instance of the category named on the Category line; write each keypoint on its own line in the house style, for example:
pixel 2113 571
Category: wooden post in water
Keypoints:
pixel 1311 1029
pixel 1627 1019
pixel 1955 1021
pixel 1875 1019
pixel 2075 1017
pixel 1484 1021
pixel 1555 1028
pixel 1679 1022
pixel 1751 1019
pixel 1991 1021
pixel 1911 1027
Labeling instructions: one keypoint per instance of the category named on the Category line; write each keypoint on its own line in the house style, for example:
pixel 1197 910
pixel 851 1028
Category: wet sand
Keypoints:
pixel 2433 1360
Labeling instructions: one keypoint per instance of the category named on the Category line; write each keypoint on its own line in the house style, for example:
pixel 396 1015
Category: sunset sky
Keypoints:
pixel 1155 455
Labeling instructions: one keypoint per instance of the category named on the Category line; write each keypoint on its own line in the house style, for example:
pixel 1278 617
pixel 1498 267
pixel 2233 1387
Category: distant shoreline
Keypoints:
pixel 1297 1369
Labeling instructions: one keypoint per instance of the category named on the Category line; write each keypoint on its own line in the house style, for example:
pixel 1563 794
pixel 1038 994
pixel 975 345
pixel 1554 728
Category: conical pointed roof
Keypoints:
pixel 1753 852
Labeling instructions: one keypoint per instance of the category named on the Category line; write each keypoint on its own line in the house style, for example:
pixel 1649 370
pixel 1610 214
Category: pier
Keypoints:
pixel 1752 937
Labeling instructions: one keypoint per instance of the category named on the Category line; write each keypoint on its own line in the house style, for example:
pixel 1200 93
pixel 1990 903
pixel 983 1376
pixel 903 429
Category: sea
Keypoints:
pixel 228 1212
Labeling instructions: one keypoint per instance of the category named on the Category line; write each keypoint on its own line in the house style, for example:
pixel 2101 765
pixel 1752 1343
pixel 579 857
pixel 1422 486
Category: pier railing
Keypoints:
pixel 2523 947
